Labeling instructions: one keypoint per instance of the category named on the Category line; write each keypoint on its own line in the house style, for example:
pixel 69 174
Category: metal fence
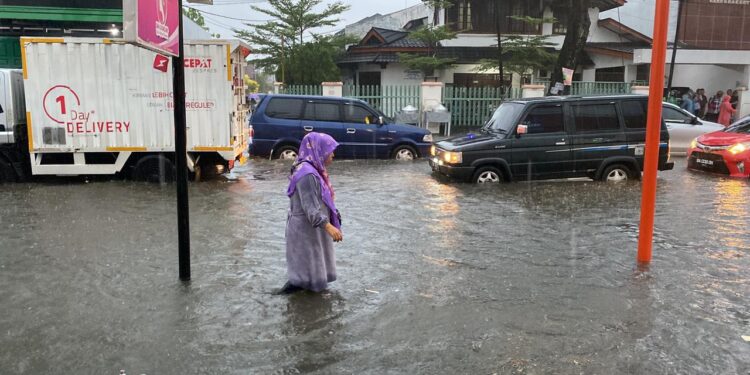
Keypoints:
pixel 472 106
pixel 302 90
pixel 388 99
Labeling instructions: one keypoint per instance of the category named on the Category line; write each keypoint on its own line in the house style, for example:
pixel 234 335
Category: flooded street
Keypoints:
pixel 434 277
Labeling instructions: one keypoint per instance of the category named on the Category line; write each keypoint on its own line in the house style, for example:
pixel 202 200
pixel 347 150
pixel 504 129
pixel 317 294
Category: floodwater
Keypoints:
pixel 434 277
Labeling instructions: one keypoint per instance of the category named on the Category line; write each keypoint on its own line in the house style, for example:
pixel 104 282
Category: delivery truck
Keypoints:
pixel 83 106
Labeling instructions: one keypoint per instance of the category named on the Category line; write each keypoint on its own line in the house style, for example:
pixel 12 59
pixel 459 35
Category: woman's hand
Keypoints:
pixel 334 232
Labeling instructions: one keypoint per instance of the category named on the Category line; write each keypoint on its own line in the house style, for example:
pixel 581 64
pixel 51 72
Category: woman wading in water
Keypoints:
pixel 313 222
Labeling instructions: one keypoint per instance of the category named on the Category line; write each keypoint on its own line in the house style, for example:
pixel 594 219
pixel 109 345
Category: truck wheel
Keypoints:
pixel 286 153
pixel 154 168
pixel 404 153
pixel 617 173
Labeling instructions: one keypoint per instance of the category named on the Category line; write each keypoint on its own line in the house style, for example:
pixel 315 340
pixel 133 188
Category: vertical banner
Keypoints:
pixel 153 24
pixel 567 76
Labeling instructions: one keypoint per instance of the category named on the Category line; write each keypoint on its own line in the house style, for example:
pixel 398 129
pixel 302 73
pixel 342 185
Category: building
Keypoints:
pixel 374 60
pixel 713 42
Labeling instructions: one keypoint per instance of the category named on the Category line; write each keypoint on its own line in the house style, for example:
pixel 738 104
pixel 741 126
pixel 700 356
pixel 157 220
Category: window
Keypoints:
pixel 560 27
pixel 547 119
pixel 643 72
pixel 357 114
pixel 634 113
pixel 596 117
pixel 483 16
pixel 673 115
pixel 616 74
pixel 284 108
pixel 322 112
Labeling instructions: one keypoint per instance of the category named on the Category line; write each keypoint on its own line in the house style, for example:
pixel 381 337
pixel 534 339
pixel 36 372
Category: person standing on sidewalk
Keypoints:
pixel 725 116
pixel 313 222
pixel 701 102
pixel 714 107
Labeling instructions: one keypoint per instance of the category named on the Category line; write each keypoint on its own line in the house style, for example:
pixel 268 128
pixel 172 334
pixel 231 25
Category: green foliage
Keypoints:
pixel 438 4
pixel 196 16
pixel 524 53
pixel 427 63
pixel 281 45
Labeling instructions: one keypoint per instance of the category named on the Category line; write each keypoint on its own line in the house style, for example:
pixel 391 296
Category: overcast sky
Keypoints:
pixel 224 15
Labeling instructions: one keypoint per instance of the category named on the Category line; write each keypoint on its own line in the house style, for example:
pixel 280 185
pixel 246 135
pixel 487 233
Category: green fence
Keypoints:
pixel 389 99
pixel 472 106
pixel 302 90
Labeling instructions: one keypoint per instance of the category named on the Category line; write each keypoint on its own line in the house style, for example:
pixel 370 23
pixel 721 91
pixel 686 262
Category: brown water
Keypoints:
pixel 434 277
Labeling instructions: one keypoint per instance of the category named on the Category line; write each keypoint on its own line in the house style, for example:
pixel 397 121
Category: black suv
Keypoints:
pixel 600 137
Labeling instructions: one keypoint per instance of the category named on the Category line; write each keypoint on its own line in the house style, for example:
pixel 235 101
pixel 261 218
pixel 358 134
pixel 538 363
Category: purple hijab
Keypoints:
pixel 313 153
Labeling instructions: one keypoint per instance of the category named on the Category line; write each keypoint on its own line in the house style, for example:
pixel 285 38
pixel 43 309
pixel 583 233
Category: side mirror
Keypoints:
pixel 1 109
pixel 381 120
pixel 522 129
pixel 695 121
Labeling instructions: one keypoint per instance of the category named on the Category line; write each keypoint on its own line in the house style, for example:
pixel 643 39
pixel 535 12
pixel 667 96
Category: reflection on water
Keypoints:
pixel 434 277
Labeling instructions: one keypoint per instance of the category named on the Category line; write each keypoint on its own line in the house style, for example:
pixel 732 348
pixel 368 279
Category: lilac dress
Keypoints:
pixel 309 249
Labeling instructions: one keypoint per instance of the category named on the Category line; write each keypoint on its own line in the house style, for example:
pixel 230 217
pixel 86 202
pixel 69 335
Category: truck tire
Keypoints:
pixel 154 168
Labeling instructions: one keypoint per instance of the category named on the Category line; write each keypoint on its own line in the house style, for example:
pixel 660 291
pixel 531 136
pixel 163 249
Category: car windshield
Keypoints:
pixel 741 126
pixel 504 118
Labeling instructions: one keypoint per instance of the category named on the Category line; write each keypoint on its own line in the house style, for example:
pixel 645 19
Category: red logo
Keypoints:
pixel 161 63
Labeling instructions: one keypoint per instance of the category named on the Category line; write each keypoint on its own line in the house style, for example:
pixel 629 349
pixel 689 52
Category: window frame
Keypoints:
pixel 563 117
pixel 299 115
pixel 315 114
pixel 618 116
pixel 344 118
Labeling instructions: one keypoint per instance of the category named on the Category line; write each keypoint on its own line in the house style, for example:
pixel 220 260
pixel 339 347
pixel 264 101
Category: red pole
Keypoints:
pixel 653 131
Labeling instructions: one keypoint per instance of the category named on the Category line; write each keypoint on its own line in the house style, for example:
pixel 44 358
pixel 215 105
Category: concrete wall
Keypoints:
pixel 639 15
pixel 394 74
pixel 710 77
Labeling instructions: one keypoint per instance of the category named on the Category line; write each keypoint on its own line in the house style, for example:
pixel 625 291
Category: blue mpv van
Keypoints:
pixel 280 122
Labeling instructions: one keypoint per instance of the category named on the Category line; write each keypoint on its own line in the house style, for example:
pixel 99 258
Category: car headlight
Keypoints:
pixel 433 150
pixel 453 157
pixel 427 138
pixel 694 143
pixel 739 148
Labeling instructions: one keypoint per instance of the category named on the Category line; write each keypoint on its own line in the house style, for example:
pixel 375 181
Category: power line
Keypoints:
pixel 227 17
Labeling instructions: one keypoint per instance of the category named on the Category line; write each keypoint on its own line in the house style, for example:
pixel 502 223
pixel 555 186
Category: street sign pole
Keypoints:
pixel 180 148
pixel 653 131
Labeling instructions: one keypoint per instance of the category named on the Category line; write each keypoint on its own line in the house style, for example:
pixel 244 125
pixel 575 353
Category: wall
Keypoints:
pixel 710 77
pixel 394 74
pixel 639 15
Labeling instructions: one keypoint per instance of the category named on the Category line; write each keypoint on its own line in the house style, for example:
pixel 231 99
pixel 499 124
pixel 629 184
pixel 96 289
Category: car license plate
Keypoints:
pixel 704 161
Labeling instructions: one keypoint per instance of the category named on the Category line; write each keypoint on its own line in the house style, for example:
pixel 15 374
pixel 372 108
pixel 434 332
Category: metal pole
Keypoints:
pixel 180 150
pixel 653 131
pixel 674 47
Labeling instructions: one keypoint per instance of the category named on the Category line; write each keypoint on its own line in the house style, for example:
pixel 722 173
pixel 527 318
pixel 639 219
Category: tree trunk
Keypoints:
pixel 499 47
pixel 575 39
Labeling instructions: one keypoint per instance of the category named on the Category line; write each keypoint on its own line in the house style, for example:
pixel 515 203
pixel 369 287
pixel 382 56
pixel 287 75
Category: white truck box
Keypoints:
pixel 88 95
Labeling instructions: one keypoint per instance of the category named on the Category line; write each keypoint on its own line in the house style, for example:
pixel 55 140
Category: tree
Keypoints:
pixel 427 63
pixel 281 42
pixel 436 5
pixel 524 53
pixel 252 85
pixel 196 16
pixel 575 38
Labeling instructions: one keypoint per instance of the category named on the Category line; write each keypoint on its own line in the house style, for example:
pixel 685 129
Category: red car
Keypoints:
pixel 725 151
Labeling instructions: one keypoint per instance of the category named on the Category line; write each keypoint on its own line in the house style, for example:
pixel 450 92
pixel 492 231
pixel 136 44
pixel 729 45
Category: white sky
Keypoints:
pixel 240 9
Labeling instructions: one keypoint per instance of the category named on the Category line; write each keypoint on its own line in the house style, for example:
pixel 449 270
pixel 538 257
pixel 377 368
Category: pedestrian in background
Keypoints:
pixel 714 107
pixel 687 102
pixel 726 113
pixel 701 103
pixel 313 222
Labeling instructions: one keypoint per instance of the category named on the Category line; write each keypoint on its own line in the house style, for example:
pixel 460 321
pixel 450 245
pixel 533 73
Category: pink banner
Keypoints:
pixel 158 23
